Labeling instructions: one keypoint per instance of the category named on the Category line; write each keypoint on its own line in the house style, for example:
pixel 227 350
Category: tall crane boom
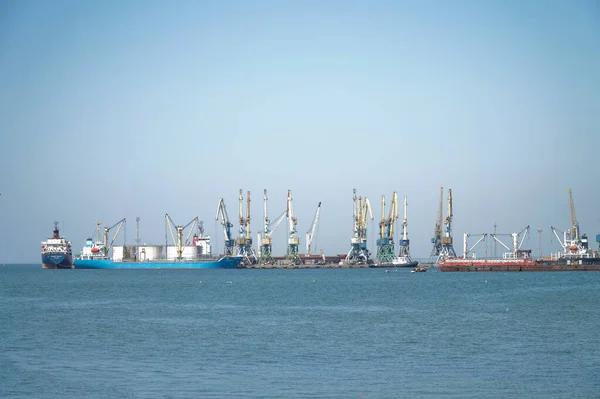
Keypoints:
pixel 574 224
pixel 436 240
pixel 178 242
pixel 293 256
pixel 107 247
pixel 385 243
pixel 227 225
pixel 359 254
pixel 311 232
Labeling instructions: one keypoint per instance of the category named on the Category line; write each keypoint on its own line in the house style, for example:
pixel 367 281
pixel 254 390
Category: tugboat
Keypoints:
pixel 56 251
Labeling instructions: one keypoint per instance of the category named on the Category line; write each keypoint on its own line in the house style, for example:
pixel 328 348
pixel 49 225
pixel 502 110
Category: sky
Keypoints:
pixel 124 109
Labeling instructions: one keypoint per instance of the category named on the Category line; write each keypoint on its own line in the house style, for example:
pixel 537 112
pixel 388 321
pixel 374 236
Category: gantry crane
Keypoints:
pixel 405 242
pixel 265 256
pixel 227 225
pixel 107 247
pixel 385 242
pixel 311 232
pixel 243 243
pixel 293 257
pixel 447 250
pixel 178 241
pixel 359 254
pixel 436 240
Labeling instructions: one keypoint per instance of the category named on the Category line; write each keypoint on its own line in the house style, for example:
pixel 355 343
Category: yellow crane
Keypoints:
pixel 359 254
pixel 385 243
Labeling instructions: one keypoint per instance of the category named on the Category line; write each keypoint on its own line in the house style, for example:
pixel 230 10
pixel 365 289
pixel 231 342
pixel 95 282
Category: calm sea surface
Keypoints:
pixel 324 333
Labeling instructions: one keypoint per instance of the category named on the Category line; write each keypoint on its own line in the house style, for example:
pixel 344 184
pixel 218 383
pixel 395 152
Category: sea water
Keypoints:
pixel 304 333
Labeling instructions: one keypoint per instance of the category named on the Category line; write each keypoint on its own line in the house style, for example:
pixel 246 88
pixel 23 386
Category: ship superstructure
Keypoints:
pixel 56 251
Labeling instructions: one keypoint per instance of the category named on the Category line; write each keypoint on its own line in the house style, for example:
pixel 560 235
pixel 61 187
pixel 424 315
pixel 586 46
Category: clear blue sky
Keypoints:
pixel 112 109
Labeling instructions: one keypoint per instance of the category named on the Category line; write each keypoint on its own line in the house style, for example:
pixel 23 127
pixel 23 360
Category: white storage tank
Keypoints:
pixel 117 253
pixel 149 252
pixel 189 252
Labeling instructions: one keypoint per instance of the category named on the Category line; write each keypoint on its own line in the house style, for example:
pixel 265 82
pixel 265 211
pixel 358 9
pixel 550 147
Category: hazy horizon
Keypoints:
pixel 114 110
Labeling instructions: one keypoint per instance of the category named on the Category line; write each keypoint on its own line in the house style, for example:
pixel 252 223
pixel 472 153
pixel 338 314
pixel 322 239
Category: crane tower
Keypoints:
pixel 227 225
pixel 436 240
pixel 359 254
pixel 385 242
pixel 311 232
pixel 265 256
pixel 293 257
pixel 447 248
pixel 404 242
pixel 243 244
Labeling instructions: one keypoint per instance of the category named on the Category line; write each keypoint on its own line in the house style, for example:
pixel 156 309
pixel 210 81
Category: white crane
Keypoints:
pixel 293 241
pixel 265 256
pixel 468 252
pixel 108 247
pixel 311 232
pixel 515 252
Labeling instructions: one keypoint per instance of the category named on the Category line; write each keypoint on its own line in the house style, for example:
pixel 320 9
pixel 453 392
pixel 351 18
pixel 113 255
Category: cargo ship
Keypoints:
pixel 56 251
pixel 97 253
pixel 576 256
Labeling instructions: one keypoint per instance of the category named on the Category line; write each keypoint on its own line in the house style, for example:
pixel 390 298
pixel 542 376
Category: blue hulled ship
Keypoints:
pixel 56 251
pixel 98 253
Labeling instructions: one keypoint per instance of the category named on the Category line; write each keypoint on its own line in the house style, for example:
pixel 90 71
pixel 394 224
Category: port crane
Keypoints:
pixel 385 242
pixel 515 252
pixel 243 243
pixel 447 249
pixel 468 252
pixel 265 256
pixel 404 242
pixel 108 247
pixel 573 243
pixel 311 232
pixel 178 242
pixel 227 225
pixel 436 240
pixel 359 254
pixel 293 257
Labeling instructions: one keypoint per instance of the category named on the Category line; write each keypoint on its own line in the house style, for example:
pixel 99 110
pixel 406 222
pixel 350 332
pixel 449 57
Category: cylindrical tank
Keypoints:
pixel 117 253
pixel 149 252
pixel 189 252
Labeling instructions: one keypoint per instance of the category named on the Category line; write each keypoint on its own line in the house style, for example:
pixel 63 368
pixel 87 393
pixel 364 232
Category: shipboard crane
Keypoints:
pixel 447 250
pixel 311 232
pixel 293 257
pixel 404 242
pixel 108 247
pixel 385 242
pixel 516 252
pixel 227 225
pixel 179 243
pixel 359 254
pixel 468 252
pixel 436 240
